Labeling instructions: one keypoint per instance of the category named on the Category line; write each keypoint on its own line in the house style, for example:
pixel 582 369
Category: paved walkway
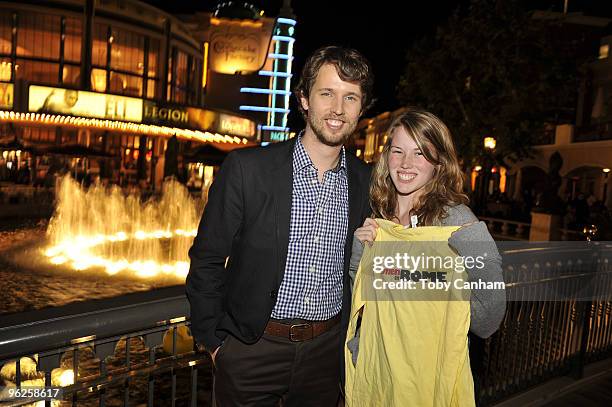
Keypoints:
pixel 594 390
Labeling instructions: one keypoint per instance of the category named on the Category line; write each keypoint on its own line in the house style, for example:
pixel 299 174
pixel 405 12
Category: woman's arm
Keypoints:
pixel 487 307
pixel 366 233
pixel 363 235
pixel 356 253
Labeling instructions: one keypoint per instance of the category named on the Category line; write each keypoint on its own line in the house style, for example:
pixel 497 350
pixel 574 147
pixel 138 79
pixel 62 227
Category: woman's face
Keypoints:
pixel 408 167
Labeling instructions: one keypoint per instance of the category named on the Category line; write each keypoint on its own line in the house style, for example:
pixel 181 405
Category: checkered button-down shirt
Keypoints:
pixel 312 285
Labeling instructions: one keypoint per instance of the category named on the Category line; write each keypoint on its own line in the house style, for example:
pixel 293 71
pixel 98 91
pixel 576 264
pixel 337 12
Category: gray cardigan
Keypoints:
pixel 487 307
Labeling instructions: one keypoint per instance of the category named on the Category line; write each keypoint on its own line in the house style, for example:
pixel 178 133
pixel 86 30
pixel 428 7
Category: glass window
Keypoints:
pixel 181 69
pixel 97 140
pixel 5 69
pixel 195 67
pixel 184 86
pixel 69 136
pixel 98 80
pixel 35 71
pixel 6 27
pixel 38 35
pixel 179 95
pixel 100 44
pixel 152 88
pixel 169 79
pixel 72 40
pixel 117 83
pixel 127 62
pixel 125 84
pixel 44 134
pixel 127 51
pixel 180 77
pixel 71 75
pixel 133 85
pixel 153 58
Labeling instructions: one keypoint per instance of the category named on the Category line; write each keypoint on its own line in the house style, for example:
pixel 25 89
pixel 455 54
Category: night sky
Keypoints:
pixel 381 31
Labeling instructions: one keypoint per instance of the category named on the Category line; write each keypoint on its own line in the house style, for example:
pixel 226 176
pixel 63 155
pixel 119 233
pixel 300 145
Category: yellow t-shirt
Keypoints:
pixel 413 346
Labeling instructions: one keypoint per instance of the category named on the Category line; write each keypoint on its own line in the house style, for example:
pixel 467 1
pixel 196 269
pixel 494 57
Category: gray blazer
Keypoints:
pixel 487 307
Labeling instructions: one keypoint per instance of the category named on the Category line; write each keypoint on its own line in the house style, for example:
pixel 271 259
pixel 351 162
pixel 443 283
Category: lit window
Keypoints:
pixel 98 80
pixel 603 51
pixel 5 71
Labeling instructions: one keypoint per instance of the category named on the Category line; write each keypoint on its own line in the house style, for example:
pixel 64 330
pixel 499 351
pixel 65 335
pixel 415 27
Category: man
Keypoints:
pixel 55 104
pixel 269 266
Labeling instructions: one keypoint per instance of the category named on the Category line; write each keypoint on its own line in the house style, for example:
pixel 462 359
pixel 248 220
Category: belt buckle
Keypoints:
pixel 300 326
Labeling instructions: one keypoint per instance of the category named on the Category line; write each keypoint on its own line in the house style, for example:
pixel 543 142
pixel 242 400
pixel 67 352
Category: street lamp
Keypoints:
pixel 485 173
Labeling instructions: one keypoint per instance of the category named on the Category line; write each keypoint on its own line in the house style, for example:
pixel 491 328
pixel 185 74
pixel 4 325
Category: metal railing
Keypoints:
pixel 539 339
pixel 504 229
pixel 135 349
pixel 571 234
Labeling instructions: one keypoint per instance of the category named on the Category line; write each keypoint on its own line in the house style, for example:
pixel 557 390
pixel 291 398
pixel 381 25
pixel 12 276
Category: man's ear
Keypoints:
pixel 303 101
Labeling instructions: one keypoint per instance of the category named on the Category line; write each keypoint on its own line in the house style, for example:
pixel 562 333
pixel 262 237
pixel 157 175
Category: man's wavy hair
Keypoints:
pixel 446 187
pixel 350 65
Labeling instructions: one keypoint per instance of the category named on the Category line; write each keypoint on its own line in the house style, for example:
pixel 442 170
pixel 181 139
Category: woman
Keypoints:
pixel 415 352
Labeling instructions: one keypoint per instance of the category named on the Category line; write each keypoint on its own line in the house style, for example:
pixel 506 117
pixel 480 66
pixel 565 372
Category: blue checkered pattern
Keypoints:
pixel 312 285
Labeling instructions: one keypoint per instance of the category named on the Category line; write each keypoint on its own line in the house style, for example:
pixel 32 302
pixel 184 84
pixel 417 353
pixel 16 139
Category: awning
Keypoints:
pixel 212 153
pixel 13 143
pixel 207 154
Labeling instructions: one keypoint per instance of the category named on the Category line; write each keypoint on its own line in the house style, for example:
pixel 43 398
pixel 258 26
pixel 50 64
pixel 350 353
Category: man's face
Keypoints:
pixel 70 98
pixel 333 107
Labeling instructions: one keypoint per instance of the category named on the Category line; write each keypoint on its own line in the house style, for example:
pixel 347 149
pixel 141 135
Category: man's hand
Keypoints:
pixel 213 354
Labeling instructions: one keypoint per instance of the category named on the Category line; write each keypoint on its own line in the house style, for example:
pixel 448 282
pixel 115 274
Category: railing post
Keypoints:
pixel 519 230
pixel 505 228
pixel 588 311
pixel 584 316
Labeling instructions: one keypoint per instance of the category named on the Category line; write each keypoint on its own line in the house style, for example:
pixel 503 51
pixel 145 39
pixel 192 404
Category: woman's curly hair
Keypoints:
pixel 446 187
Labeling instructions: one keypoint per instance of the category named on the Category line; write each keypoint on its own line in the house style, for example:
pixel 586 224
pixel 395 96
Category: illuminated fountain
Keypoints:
pixel 101 227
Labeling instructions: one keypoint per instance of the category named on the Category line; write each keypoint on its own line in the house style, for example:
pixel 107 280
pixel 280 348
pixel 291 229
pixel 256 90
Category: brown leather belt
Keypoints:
pixel 301 331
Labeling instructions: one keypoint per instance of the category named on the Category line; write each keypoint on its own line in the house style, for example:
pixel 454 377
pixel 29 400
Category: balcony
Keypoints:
pixel 593 132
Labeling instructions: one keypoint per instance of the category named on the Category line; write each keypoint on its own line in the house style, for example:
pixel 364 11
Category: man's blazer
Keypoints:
pixel 238 256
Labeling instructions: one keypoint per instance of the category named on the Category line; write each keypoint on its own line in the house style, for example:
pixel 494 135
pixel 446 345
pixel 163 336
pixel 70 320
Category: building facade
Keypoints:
pixel 99 88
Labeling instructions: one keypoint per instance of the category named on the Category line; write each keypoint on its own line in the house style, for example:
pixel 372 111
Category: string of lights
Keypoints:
pixel 104 124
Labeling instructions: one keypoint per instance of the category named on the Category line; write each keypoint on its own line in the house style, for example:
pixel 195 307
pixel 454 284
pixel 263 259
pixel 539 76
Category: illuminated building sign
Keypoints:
pixel 222 123
pixel 44 99
pixel 275 98
pixel 166 115
pixel 238 45
pixel 273 136
pixel 236 125
pixel 6 95
pixel 198 119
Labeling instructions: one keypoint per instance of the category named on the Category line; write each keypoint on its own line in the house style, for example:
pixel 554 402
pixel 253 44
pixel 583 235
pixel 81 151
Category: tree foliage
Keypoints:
pixel 494 70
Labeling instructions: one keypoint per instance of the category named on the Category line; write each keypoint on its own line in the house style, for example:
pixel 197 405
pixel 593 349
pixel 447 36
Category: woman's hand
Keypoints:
pixel 367 233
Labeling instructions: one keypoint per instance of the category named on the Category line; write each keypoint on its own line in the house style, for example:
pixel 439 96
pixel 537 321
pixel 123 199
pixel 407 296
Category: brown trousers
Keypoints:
pixel 275 371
